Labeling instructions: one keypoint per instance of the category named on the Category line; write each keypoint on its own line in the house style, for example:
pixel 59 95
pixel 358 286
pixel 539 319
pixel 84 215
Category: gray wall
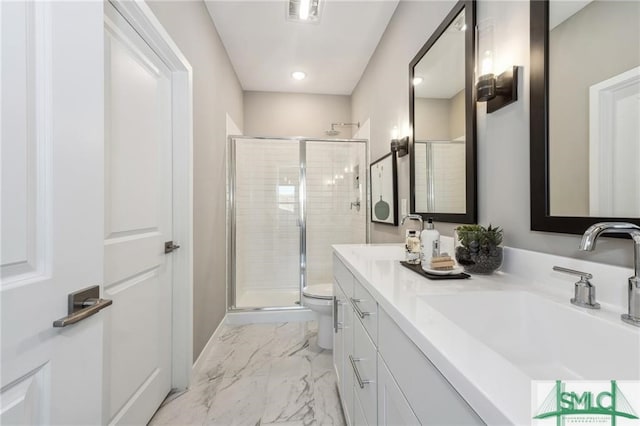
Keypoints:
pixel 616 49
pixel 440 119
pixel 457 113
pixel 295 114
pixel 216 92
pixel 433 119
pixel 503 137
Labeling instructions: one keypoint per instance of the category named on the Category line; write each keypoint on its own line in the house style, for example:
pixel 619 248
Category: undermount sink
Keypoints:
pixel 543 338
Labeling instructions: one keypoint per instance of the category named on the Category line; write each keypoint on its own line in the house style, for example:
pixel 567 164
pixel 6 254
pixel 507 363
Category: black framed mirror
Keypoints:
pixel 585 141
pixel 442 115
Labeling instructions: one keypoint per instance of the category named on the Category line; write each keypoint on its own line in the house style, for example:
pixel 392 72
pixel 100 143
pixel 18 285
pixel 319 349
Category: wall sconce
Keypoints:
pixel 400 146
pixel 496 91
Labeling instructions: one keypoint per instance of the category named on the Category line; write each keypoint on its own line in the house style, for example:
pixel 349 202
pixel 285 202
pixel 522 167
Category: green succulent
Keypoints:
pixel 474 237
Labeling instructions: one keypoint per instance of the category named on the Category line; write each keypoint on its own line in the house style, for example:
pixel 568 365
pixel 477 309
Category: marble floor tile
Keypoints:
pixel 239 400
pixel 326 400
pixel 258 375
pixel 289 398
pixel 188 408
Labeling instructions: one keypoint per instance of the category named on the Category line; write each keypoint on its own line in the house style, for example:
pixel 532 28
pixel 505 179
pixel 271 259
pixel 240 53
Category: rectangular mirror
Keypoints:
pixel 443 121
pixel 585 138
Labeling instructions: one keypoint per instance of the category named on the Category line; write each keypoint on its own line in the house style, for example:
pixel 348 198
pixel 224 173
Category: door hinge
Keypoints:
pixel 169 247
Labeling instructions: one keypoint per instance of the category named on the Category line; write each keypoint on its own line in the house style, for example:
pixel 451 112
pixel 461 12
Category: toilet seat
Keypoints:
pixel 318 291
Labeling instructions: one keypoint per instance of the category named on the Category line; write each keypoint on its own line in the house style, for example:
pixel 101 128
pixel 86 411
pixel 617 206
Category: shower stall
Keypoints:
pixel 290 200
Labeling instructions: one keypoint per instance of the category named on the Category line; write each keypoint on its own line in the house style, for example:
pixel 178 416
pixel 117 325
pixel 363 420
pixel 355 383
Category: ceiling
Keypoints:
pixel 560 11
pixel 265 47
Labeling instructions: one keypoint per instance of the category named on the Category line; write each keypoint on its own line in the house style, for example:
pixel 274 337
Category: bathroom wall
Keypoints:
pixel 295 114
pixel 503 136
pixel 216 92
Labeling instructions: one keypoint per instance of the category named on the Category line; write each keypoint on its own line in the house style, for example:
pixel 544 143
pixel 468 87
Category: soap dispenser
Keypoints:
pixel 429 244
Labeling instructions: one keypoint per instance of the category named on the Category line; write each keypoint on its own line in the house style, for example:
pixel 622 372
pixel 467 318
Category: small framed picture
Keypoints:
pixel 384 190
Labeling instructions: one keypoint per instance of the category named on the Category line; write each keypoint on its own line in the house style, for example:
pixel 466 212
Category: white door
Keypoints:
pixel 51 120
pixel 138 221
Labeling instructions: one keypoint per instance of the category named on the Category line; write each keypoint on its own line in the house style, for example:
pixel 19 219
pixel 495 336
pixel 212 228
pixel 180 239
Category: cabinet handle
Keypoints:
pixel 361 382
pixel 335 314
pixel 361 314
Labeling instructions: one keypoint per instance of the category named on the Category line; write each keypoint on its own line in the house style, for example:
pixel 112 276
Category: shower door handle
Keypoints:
pixel 355 203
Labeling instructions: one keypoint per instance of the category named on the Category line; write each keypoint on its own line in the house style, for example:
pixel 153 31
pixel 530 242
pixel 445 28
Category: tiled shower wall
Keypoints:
pixel 267 209
pixel 336 176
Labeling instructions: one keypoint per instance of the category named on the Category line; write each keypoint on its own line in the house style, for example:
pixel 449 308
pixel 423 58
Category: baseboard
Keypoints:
pixel 207 347
pixel 297 315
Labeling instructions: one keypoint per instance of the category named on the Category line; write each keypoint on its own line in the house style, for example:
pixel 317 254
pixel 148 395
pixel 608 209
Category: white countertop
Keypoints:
pixel 498 388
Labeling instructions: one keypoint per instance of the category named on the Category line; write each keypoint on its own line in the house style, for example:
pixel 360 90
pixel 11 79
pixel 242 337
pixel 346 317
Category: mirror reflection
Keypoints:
pixel 439 124
pixel 594 108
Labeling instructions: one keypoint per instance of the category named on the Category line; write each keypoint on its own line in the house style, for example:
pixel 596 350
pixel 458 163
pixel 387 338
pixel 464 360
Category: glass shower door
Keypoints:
pixel 267 223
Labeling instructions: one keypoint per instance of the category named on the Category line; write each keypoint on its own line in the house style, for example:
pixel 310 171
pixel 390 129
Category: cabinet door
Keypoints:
pixel 393 408
pixel 364 364
pixel 433 399
pixel 359 419
pixel 338 330
pixel 366 310
pixel 342 348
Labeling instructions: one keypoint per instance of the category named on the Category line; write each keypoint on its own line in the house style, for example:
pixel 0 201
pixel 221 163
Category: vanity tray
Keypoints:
pixel 418 270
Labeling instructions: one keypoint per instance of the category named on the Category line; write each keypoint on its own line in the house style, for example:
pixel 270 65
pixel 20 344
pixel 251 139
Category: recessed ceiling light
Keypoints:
pixel 417 80
pixel 303 11
pixel 299 75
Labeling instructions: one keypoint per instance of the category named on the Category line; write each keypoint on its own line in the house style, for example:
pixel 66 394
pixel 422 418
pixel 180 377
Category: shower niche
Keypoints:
pixel 291 199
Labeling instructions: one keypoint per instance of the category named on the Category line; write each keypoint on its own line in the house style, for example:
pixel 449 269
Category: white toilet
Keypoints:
pixel 319 298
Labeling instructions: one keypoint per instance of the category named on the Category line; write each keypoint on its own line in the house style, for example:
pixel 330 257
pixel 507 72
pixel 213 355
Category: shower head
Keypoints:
pixel 334 132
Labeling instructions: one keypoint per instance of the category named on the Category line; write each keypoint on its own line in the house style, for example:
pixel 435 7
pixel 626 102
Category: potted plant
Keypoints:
pixel 479 249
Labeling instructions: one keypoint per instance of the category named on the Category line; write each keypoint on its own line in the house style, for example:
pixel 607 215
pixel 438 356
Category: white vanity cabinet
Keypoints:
pixel 393 407
pixel 383 377
pixel 354 349
pixel 431 397
pixel 342 348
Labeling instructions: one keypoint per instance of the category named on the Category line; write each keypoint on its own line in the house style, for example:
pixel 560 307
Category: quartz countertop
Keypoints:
pixel 496 387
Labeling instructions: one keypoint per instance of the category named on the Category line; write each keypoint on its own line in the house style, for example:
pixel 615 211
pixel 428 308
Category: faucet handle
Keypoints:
pixel 585 292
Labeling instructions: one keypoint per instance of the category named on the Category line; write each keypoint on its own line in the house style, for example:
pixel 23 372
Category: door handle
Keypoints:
pixel 170 247
pixel 82 304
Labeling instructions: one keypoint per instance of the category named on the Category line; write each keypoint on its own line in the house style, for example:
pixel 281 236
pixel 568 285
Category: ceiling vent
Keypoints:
pixel 303 11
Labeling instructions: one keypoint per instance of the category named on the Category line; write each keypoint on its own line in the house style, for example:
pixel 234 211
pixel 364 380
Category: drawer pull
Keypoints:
pixel 361 382
pixel 361 314
pixel 335 314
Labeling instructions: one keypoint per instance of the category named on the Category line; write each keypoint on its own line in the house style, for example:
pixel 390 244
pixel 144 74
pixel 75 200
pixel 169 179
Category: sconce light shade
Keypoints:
pixel 498 91
pixel 400 146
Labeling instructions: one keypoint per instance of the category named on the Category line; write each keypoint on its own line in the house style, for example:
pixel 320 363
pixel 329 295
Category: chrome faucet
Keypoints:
pixel 588 243
pixel 413 217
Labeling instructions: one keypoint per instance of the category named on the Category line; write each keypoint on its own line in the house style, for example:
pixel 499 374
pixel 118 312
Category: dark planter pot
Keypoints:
pixel 482 260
